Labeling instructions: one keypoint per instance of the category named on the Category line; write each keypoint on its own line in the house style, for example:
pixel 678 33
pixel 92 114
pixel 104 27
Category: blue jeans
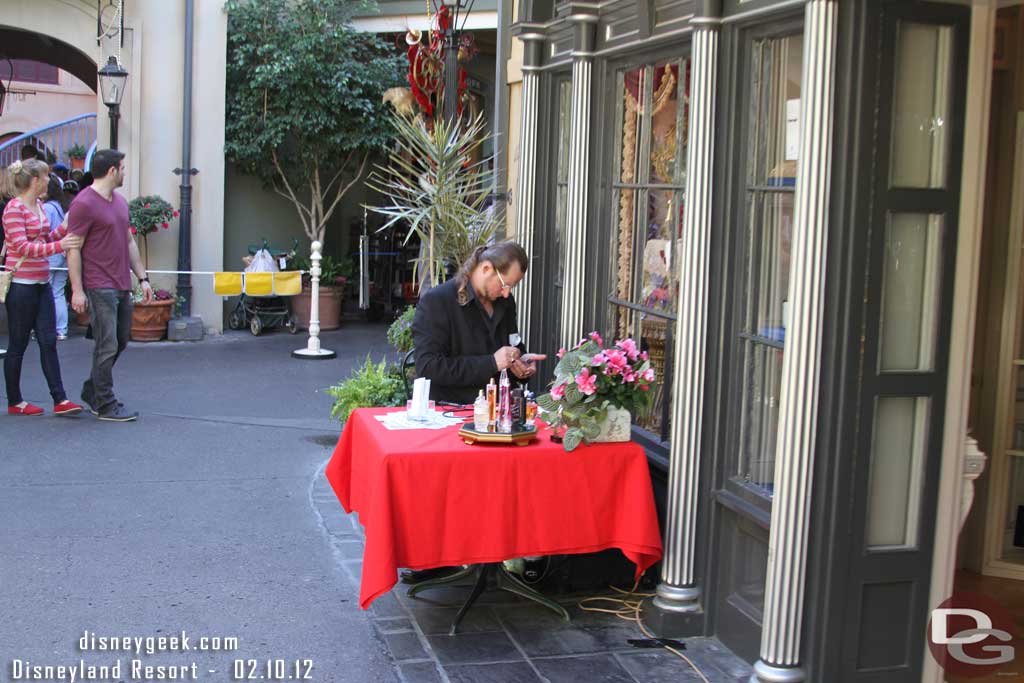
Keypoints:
pixel 58 279
pixel 30 307
pixel 111 319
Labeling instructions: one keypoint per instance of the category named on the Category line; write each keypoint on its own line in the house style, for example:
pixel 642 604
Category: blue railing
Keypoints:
pixel 56 139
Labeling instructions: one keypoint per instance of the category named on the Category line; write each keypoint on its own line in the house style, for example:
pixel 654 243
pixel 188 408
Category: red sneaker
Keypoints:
pixel 65 408
pixel 27 409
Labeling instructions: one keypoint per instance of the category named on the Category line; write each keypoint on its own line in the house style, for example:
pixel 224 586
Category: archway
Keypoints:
pixel 20 44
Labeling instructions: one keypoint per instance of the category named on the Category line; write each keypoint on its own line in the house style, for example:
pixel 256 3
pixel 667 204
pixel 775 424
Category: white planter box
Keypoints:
pixel 616 426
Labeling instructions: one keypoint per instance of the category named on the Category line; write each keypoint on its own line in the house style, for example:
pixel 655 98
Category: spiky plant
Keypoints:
pixel 431 183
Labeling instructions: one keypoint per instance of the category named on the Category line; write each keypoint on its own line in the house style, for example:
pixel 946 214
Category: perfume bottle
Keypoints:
pixel 531 409
pixel 481 412
pixel 504 404
pixel 492 406
pixel 518 409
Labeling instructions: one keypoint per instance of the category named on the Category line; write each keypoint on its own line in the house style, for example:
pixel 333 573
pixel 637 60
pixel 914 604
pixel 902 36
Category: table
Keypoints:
pixel 426 499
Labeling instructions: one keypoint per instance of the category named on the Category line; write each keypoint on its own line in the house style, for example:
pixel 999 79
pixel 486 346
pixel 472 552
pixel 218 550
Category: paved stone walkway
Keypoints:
pixel 505 638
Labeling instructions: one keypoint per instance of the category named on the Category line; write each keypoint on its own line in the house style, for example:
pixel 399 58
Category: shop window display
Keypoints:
pixel 649 177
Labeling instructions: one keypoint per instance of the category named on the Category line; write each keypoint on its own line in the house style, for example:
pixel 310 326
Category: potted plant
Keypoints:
pixel 76 153
pixel 146 215
pixel 373 385
pixel 333 279
pixel 595 389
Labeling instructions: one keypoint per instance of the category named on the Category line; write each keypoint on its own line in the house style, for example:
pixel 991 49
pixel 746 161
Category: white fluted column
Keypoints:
pixel 526 191
pixel 579 166
pixel 801 364
pixel 678 591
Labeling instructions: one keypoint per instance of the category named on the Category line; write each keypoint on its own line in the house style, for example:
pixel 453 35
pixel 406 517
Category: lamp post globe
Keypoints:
pixel 112 77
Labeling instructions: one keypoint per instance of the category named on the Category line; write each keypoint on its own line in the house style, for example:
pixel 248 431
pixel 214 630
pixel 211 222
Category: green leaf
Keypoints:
pixel 573 437
pixel 591 428
pixel 547 403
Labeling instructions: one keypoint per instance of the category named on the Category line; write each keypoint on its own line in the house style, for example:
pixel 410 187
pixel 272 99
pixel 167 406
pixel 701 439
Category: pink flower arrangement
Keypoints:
pixel 590 378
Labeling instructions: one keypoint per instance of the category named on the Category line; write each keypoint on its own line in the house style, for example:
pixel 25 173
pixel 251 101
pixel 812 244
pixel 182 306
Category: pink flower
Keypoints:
pixel 166 225
pixel 629 346
pixel 648 374
pixel 617 360
pixel 561 352
pixel 645 387
pixel 643 355
pixel 586 382
pixel 134 231
pixel 558 391
pixel 175 214
pixel 598 359
pixel 596 337
pixel 146 206
pixel 628 376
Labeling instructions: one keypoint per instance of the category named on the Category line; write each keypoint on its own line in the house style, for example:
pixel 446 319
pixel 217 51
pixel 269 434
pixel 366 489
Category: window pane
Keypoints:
pixel 653 337
pixel 775 111
pixel 668 118
pixel 564 114
pixel 910 292
pixel 763 272
pixel 1013 536
pixel 921 105
pixel 897 457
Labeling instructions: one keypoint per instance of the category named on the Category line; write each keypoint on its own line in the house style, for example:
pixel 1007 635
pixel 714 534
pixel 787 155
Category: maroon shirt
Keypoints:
pixel 104 225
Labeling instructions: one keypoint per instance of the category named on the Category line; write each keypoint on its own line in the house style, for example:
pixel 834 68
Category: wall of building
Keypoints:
pixel 50 103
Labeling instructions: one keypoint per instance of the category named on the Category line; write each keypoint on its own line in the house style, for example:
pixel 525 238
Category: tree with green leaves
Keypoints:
pixel 304 107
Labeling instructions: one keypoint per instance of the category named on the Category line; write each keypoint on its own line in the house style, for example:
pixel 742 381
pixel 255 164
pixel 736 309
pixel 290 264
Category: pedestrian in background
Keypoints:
pixel 54 207
pixel 28 242
pixel 101 278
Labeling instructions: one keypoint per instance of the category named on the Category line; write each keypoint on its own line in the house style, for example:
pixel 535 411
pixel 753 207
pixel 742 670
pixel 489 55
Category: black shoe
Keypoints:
pixel 118 413
pixel 534 569
pixel 420 575
pixel 87 399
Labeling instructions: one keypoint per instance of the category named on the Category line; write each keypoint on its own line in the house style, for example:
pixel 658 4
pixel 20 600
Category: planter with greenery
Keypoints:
pixel 372 385
pixel 334 277
pixel 591 384
pixel 147 215
pixel 304 107
pixel 76 153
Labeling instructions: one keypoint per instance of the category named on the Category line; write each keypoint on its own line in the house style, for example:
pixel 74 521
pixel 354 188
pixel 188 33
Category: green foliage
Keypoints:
pixel 431 185
pixel 400 332
pixel 372 385
pixel 304 107
pixel 330 269
pixel 150 213
pixel 75 151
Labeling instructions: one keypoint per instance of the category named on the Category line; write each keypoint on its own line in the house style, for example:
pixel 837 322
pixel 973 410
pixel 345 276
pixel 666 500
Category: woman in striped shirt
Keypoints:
pixel 28 242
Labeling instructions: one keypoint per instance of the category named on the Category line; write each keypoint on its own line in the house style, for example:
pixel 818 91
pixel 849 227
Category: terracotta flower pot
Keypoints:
pixel 330 306
pixel 149 321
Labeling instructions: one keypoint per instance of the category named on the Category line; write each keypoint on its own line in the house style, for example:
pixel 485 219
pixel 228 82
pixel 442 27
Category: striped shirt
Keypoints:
pixel 27 234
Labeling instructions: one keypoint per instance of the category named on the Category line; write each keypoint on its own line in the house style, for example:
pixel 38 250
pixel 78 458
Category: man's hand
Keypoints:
pixel 505 357
pixel 526 367
pixel 147 292
pixel 79 302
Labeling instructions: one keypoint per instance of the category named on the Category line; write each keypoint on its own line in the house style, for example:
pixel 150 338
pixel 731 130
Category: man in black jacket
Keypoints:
pixel 462 335
pixel 462 329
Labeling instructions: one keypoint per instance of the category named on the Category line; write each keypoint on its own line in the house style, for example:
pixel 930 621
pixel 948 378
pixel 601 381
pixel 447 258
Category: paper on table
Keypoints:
pixel 433 420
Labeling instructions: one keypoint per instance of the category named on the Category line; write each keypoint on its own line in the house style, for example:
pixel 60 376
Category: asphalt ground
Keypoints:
pixel 199 517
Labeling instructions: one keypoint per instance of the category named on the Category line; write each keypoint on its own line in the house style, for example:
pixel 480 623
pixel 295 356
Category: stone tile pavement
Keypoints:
pixel 505 638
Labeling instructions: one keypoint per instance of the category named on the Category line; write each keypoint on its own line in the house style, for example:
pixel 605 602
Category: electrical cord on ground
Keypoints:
pixel 630 611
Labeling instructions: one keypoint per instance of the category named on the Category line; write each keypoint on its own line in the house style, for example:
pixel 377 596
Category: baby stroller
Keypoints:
pixel 263 312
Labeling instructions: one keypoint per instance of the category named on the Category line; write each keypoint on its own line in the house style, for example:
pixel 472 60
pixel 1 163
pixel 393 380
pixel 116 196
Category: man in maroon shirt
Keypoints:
pixel 100 275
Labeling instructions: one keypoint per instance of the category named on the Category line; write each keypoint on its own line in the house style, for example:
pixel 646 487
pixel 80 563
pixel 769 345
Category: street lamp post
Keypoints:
pixel 112 78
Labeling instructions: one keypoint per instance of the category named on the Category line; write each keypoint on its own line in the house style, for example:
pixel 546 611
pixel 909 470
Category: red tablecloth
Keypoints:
pixel 426 499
